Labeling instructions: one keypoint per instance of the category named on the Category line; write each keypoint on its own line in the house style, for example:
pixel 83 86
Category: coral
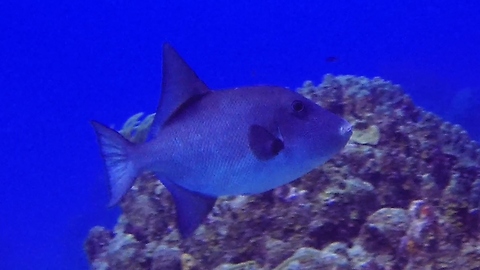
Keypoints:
pixel 136 130
pixel 309 258
pixel 164 257
pixel 366 135
pixel 404 194
pixel 250 265
pixel 383 230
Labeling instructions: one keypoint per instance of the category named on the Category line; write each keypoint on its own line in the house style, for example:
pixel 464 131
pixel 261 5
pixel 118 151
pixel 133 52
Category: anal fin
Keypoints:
pixel 192 207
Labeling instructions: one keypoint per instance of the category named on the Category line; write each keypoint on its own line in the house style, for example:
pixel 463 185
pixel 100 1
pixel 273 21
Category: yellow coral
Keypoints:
pixel 369 135
pixel 188 262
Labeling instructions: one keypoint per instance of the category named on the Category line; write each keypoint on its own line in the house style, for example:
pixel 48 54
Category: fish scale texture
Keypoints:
pixel 403 194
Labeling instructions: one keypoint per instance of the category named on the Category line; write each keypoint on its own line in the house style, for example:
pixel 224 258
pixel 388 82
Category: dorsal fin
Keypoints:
pixel 179 84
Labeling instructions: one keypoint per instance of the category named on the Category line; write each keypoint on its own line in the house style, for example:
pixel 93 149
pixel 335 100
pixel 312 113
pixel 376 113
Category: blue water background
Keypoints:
pixel 64 63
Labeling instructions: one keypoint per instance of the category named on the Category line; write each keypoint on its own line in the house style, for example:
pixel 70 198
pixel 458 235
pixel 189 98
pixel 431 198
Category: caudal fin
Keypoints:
pixel 115 150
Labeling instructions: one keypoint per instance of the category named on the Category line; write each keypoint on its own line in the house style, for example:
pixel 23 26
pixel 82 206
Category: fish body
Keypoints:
pixel 205 144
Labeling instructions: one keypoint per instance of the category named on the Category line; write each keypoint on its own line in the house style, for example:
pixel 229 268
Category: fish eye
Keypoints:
pixel 298 106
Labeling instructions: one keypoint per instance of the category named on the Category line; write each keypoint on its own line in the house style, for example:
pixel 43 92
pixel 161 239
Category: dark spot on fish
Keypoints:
pixel 277 146
pixel 264 144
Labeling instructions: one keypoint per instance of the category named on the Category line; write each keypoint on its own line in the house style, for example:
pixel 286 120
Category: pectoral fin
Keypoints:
pixel 263 143
pixel 192 207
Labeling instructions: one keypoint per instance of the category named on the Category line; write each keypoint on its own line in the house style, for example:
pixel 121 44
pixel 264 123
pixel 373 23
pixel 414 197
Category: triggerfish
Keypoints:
pixel 204 144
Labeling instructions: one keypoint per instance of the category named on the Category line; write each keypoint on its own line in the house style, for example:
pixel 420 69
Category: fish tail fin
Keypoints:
pixel 116 152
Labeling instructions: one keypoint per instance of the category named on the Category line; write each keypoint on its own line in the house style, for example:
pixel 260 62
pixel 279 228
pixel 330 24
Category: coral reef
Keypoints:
pixel 136 130
pixel 404 194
